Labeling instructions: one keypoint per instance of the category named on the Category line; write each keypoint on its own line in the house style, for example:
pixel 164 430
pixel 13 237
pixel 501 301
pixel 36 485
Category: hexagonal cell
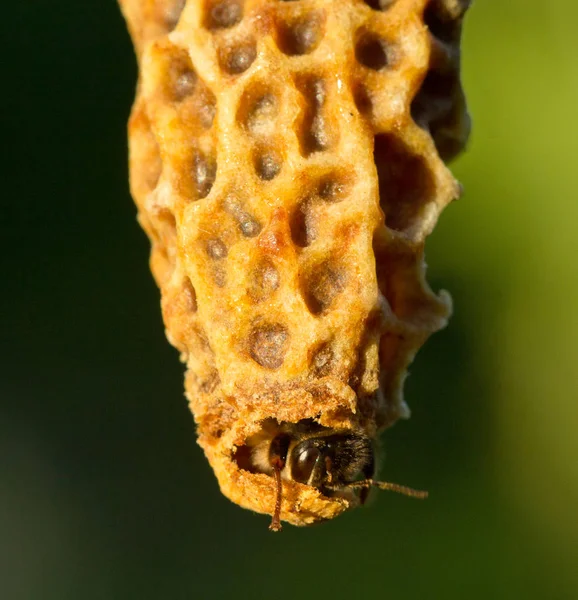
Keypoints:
pixel 317 129
pixel 237 57
pixel 406 183
pixel 180 85
pixel 259 108
pixel 179 75
pixel 302 34
pixel 334 187
pixel 374 52
pixel 263 280
pixel 321 285
pixel 268 344
pixel 222 14
pixel 268 163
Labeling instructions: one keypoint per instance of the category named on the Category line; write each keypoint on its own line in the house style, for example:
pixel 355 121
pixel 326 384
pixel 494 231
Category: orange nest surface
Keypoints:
pixel 287 159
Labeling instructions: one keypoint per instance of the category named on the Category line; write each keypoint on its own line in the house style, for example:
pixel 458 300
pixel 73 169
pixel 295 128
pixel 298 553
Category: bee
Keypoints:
pixel 338 463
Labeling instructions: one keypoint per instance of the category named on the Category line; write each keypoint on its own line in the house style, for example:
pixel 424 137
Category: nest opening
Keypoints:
pixel 246 455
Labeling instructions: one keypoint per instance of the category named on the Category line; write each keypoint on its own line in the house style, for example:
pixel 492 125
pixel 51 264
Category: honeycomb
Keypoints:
pixel 287 159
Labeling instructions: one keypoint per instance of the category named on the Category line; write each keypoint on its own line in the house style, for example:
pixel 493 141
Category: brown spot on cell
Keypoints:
pixel 268 344
pixel 302 35
pixel 268 164
pixel 237 58
pixel 184 85
pixel 204 173
pixel 262 113
pixel 220 277
pixel 223 14
pixel 302 224
pixel 207 107
pixel 248 225
pixel 373 52
pixel 405 181
pixel 332 188
pixel 209 384
pixel 321 286
pixel 216 249
pixel 264 280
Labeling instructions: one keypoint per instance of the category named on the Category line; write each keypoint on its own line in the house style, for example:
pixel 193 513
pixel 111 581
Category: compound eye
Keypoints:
pixel 306 458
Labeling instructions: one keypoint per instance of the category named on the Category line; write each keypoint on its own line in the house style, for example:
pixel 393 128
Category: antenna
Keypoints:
pixel 392 487
pixel 276 521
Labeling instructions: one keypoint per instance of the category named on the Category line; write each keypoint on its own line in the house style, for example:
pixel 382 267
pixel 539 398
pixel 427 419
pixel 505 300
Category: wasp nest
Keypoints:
pixel 288 161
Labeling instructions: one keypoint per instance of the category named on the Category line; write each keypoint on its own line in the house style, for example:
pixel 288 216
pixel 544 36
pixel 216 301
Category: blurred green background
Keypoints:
pixel 103 491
